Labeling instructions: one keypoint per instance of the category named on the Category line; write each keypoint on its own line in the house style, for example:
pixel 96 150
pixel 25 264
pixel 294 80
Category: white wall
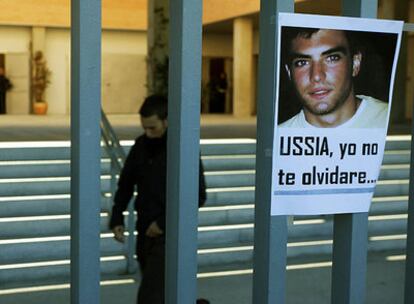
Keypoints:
pixel 15 44
pixel 124 42
pixel 57 53
pixel 15 39
pixel 58 57
pixel 123 71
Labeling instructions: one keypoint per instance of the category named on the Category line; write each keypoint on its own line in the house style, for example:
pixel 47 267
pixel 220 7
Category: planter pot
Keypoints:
pixel 40 108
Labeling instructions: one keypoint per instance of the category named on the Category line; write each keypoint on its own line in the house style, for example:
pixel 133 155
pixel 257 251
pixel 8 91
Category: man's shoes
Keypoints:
pixel 203 301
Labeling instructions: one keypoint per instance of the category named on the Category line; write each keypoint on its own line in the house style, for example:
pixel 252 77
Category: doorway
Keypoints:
pixel 216 91
pixel 218 86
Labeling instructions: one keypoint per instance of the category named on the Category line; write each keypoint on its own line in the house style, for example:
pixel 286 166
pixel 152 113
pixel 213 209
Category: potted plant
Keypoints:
pixel 40 81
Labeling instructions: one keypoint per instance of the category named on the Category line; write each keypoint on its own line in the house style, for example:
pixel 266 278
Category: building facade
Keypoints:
pixel 230 52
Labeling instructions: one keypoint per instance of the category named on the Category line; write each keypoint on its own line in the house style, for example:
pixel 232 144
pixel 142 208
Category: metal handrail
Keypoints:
pixel 117 156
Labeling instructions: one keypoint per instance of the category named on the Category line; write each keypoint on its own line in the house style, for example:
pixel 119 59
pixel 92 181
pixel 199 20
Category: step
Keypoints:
pixel 34 151
pixel 394 171
pixel 43 249
pixel 41 186
pixel 41 226
pixel 391 187
pixel 230 196
pixel 34 205
pixel 397 157
pixel 229 179
pixel 227 146
pixel 227 214
pixel 228 162
pixel 242 253
pixel 389 205
pixel 216 236
pixel 398 142
pixel 41 205
pixel 52 272
pixel 230 215
pixel 43 168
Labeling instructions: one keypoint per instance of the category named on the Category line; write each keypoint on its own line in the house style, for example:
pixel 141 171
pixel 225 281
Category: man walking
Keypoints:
pixel 145 169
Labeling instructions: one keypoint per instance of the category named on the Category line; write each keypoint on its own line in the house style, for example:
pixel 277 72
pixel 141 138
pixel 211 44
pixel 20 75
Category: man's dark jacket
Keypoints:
pixel 146 168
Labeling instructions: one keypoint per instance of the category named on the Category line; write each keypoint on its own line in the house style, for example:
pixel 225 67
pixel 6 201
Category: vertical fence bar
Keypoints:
pixel 270 235
pixel 183 150
pixel 349 258
pixel 351 230
pixel 409 263
pixel 85 150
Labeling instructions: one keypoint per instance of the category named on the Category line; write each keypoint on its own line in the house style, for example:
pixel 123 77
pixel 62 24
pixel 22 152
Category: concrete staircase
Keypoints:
pixel 35 207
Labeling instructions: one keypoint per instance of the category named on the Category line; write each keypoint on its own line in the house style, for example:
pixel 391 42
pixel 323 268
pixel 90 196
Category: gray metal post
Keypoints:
pixel 349 258
pixel 183 150
pixel 351 230
pixel 409 263
pixel 270 235
pixel 85 150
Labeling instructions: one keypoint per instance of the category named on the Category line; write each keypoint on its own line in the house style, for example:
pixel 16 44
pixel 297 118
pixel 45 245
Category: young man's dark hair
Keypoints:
pixel 290 33
pixel 155 105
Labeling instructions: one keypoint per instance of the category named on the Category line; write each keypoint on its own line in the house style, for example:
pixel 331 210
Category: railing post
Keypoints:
pixel 270 235
pixel 351 230
pixel 113 175
pixel 131 261
pixel 118 156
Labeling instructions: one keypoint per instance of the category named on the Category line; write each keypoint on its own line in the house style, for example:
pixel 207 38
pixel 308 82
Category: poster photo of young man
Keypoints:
pixel 334 94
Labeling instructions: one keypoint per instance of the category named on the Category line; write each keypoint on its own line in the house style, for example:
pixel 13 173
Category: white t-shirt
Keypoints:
pixel 371 113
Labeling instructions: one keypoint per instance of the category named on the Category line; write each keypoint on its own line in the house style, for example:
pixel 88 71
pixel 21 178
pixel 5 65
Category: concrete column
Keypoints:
pixel 243 67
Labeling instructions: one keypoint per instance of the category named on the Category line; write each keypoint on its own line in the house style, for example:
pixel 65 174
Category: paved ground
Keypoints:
pixel 305 285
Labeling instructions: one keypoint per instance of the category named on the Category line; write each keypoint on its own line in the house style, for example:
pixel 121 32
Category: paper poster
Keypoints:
pixel 332 109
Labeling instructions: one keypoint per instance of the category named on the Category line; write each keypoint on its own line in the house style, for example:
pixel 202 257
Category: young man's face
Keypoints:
pixel 154 127
pixel 321 70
